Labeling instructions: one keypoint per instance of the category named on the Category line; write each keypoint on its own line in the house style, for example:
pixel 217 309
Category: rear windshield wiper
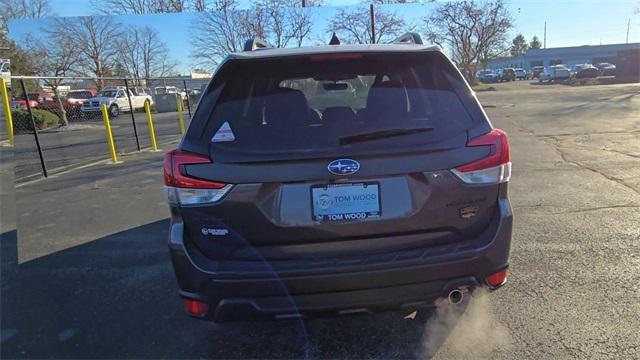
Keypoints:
pixel 381 134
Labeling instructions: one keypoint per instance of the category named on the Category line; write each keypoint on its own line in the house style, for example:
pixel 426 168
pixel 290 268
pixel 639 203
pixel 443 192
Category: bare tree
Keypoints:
pixel 472 30
pixel 218 33
pixel 285 21
pixel 277 21
pixel 55 56
pixel 129 54
pixel 142 54
pixel 200 5
pixel 301 25
pixel 226 27
pixel 21 9
pixel 95 38
pixel 109 7
pixel 383 2
pixel 25 9
pixel 354 25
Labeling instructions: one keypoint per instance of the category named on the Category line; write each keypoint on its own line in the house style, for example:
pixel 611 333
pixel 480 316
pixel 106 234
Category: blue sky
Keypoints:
pixel 569 23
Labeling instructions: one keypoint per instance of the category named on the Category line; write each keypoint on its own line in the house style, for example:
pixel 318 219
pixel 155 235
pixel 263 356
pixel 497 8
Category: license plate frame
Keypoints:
pixel 335 207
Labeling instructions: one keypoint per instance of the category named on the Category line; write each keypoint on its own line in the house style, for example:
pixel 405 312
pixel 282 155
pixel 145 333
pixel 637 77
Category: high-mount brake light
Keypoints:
pixel 492 169
pixel 338 56
pixel 182 189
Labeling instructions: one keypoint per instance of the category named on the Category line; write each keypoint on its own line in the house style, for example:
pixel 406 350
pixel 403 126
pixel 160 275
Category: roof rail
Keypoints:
pixel 409 38
pixel 255 44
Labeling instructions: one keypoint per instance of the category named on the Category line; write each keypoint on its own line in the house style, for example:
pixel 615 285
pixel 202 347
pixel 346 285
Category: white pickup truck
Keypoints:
pixel 5 71
pixel 116 101
pixel 554 72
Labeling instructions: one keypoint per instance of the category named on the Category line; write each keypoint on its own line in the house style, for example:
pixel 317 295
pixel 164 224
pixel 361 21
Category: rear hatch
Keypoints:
pixel 334 156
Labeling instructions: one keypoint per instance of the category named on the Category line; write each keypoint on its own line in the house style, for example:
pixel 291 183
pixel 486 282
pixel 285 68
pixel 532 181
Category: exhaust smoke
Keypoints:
pixel 465 331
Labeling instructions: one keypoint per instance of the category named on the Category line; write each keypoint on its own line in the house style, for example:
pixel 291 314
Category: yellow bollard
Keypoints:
pixel 7 109
pixel 152 132
pixel 180 113
pixel 112 147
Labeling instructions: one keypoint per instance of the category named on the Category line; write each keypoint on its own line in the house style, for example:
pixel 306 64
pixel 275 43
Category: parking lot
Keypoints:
pixel 84 142
pixel 89 274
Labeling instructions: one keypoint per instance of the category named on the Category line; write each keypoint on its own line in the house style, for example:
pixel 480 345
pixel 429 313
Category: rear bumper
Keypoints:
pixel 402 280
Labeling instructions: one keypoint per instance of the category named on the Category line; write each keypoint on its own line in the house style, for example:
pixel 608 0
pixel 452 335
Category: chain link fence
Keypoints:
pixel 58 122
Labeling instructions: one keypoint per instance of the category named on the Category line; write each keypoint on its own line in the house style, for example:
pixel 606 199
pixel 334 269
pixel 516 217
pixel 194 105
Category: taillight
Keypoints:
pixel 493 169
pixel 181 189
pixel 194 307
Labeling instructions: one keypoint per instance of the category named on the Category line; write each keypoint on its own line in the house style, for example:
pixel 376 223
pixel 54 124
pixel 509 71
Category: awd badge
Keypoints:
pixel 469 212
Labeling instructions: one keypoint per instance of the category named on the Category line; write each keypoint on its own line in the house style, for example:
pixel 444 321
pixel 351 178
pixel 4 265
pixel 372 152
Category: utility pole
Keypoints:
pixel 545 35
pixel 628 25
pixel 373 25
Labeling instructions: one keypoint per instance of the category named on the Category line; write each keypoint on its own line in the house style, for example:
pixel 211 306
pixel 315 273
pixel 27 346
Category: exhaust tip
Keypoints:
pixel 455 296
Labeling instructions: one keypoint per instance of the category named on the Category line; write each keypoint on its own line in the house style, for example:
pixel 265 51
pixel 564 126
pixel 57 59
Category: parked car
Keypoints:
pixel 34 101
pixel 554 73
pixel 487 76
pixel 161 90
pixel 284 206
pixel 5 71
pixel 140 90
pixel 21 104
pixel 116 100
pixel 521 74
pixel 507 74
pixel 606 69
pixel 71 103
pixel 536 70
pixel 584 71
pixel 193 92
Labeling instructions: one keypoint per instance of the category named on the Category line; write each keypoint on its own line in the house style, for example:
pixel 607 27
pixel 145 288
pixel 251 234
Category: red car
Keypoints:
pixel 77 97
pixel 22 104
pixel 536 70
pixel 71 102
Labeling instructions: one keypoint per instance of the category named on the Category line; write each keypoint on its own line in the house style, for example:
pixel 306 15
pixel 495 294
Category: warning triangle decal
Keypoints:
pixel 223 134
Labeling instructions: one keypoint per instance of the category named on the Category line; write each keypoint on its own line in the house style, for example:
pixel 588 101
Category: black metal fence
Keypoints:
pixel 58 122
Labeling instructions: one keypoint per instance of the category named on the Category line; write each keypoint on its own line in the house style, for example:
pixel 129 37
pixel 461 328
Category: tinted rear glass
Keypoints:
pixel 309 105
pixel 79 95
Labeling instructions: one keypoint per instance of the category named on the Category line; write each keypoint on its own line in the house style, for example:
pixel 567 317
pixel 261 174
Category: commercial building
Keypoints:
pixel 586 54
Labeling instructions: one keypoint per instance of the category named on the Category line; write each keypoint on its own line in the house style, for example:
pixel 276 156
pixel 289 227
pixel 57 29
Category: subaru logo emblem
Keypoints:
pixel 343 167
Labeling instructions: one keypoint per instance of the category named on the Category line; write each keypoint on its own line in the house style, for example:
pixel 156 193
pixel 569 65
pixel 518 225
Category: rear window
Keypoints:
pixel 79 95
pixel 303 106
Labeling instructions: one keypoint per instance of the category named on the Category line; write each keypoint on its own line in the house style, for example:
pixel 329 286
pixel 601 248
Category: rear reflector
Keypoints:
pixel 182 189
pixel 492 169
pixel 195 308
pixel 497 279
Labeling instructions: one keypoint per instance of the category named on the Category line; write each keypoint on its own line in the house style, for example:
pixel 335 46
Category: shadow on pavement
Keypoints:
pixel 117 297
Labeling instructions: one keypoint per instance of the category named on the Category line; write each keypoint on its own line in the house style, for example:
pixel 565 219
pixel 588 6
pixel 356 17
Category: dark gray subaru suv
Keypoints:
pixel 335 180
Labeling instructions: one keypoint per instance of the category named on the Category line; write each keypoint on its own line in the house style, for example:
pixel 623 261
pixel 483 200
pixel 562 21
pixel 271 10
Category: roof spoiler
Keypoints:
pixel 409 38
pixel 256 44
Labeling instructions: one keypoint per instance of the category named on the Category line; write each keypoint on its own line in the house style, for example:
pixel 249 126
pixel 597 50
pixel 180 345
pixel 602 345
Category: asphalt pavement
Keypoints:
pixel 90 274
pixel 84 142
